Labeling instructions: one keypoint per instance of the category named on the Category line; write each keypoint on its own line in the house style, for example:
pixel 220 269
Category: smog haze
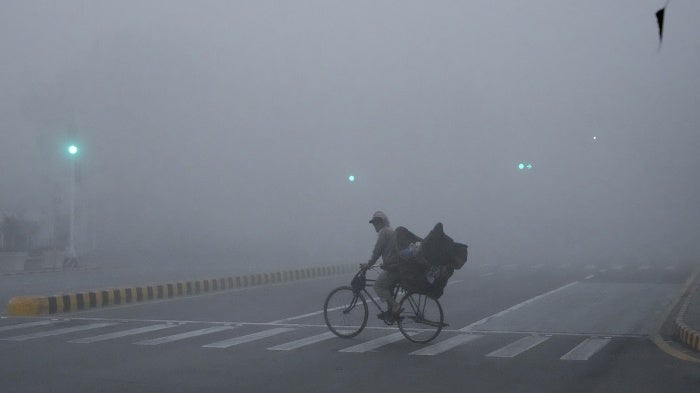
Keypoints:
pixel 227 131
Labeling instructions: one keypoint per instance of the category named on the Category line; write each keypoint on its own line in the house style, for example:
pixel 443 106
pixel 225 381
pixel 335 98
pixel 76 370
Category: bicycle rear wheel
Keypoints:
pixel 421 319
pixel 345 312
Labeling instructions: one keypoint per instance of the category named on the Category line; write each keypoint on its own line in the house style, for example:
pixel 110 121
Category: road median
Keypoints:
pixel 78 301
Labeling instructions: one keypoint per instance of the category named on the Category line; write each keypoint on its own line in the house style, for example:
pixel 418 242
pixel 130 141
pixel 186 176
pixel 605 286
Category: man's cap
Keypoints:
pixel 379 216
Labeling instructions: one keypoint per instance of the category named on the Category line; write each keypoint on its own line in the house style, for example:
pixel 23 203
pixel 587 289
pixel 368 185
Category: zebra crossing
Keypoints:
pixel 276 337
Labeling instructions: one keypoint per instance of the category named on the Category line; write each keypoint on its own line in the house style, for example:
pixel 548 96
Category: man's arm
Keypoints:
pixel 382 240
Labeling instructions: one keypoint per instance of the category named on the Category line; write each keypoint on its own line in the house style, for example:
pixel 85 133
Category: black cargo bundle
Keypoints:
pixel 428 269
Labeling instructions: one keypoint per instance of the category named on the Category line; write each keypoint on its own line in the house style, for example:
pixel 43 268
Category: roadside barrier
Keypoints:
pixel 687 335
pixel 46 305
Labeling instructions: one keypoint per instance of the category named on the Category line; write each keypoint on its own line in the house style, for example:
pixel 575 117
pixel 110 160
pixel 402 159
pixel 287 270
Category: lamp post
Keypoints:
pixel 71 258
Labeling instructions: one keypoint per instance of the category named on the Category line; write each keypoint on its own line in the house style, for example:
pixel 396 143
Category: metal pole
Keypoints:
pixel 70 259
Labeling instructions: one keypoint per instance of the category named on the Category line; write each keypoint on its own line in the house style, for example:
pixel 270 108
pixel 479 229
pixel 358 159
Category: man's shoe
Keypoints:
pixel 384 315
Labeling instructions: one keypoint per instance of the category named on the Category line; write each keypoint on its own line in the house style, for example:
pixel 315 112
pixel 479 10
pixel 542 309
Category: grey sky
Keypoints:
pixel 230 127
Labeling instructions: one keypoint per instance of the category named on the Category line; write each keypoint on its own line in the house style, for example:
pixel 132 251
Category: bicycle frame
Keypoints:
pixel 369 283
pixel 420 322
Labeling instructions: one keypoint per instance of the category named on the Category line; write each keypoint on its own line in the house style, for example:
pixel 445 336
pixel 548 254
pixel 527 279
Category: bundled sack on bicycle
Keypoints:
pixel 427 264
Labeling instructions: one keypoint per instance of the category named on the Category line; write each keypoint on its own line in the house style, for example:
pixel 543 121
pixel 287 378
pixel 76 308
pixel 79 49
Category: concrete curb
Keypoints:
pixel 687 335
pixel 46 305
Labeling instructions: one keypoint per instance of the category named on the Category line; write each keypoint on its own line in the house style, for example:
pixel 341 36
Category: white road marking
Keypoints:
pixel 247 338
pixel 303 342
pixel 517 306
pixel 311 314
pixel 25 325
pixel 586 349
pixel 518 347
pixel 618 267
pixel 487 274
pixel 446 345
pixel 123 333
pixel 58 331
pixel 182 336
pixel 374 344
pixel 589 277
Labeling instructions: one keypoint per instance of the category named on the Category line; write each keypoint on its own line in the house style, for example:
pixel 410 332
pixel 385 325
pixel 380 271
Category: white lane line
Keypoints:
pixel 303 342
pixel 186 335
pixel 617 267
pixel 247 338
pixel 374 344
pixel 487 274
pixel 516 348
pixel 586 349
pixel 517 306
pixel 25 325
pixel 589 277
pixel 311 314
pixel 58 331
pixel 123 333
pixel 446 345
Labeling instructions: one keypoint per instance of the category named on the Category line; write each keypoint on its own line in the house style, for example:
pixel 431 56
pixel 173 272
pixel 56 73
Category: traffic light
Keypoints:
pixel 73 149
pixel 524 165
pixel 351 178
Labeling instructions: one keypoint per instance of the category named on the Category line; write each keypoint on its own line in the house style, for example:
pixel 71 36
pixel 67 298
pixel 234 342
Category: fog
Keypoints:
pixel 224 132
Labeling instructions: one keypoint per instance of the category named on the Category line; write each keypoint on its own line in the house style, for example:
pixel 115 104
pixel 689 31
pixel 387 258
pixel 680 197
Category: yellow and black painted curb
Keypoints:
pixel 46 305
pixel 687 335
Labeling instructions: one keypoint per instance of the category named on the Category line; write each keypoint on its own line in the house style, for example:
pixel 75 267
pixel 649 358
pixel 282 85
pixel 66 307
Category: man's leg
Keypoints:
pixel 384 285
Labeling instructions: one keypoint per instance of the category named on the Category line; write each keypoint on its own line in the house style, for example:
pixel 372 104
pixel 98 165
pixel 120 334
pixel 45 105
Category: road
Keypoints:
pixel 513 328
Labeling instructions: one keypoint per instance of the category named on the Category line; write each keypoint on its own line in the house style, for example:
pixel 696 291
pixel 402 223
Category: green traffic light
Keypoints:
pixel 73 150
pixel 521 166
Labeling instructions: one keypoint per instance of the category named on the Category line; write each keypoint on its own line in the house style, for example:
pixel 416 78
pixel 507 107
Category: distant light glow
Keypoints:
pixel 73 149
pixel 521 166
pixel 595 138
pixel 351 178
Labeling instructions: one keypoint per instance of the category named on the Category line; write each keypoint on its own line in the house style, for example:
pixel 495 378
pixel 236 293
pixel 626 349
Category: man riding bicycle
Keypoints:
pixel 385 247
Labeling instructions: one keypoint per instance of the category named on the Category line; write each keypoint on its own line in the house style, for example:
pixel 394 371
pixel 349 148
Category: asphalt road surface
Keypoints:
pixel 535 328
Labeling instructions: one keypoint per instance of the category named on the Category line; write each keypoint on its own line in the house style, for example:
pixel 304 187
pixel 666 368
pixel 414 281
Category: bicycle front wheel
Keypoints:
pixel 421 319
pixel 345 312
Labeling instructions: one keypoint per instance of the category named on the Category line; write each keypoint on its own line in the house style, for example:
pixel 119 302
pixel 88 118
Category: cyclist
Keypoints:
pixel 385 247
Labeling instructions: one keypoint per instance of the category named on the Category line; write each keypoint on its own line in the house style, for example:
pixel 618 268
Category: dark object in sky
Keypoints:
pixel 660 21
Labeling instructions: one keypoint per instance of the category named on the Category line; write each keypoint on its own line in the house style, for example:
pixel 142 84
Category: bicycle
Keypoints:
pixel 346 312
